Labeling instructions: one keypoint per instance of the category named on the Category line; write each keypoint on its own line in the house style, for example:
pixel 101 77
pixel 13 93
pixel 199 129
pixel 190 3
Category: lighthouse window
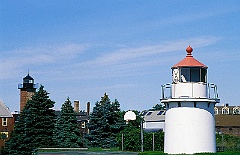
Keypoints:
pixel 185 74
pixel 203 75
pixel 193 74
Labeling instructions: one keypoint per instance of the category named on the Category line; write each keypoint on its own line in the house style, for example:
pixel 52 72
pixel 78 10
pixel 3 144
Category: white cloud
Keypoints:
pixel 124 55
pixel 13 61
pixel 121 62
pixel 130 61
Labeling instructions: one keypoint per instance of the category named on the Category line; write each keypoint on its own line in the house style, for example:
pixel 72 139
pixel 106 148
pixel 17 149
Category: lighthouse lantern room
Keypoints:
pixel 189 119
pixel 27 90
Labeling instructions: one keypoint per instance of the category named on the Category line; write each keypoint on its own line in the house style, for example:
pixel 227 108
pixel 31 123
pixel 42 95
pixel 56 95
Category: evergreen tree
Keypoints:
pixel 35 127
pixel 95 126
pixel 158 107
pixel 67 134
pixel 17 143
pixel 104 123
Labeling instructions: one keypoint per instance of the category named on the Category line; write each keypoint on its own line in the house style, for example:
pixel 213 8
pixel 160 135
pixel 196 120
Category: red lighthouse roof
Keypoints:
pixel 189 61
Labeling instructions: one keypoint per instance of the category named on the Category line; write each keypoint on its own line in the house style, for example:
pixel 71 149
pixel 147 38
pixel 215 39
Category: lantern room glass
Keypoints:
pixel 193 74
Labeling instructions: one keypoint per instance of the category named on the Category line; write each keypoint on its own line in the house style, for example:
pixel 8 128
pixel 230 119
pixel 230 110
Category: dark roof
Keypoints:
pixel 4 111
pixel 227 120
pixel 28 77
pixel 82 115
pixel 225 106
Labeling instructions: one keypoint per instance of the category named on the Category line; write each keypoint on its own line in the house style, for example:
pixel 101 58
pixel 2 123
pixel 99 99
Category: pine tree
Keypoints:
pixel 67 134
pixel 95 126
pixel 17 143
pixel 158 107
pixel 104 123
pixel 35 127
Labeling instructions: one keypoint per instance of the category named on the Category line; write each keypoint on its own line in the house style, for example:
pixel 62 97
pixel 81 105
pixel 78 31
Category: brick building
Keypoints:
pixel 6 123
pixel 227 119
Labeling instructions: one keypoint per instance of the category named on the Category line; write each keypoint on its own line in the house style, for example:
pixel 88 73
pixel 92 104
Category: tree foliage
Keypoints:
pixel 105 122
pixel 157 137
pixel 67 133
pixel 228 142
pixel 158 107
pixel 132 139
pixel 35 127
pixel 132 136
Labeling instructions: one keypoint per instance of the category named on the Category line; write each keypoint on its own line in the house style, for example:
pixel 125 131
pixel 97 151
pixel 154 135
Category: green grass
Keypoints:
pixel 90 149
pixel 98 149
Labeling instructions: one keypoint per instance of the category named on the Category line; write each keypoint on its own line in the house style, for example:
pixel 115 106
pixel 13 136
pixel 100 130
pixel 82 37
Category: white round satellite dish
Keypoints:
pixel 129 116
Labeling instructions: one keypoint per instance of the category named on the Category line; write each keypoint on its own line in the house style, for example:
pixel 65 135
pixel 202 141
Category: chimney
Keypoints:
pixel 88 108
pixel 76 106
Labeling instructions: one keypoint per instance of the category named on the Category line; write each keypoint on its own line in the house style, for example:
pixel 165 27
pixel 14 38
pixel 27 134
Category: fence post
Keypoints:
pixel 122 141
pixel 153 141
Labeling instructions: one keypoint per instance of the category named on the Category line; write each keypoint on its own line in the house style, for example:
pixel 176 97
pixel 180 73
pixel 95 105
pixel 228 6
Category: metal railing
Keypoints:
pixel 164 87
pixel 211 87
pixel 20 86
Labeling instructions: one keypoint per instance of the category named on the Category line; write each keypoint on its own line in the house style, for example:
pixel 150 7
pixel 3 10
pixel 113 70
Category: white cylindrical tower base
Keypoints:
pixel 189 130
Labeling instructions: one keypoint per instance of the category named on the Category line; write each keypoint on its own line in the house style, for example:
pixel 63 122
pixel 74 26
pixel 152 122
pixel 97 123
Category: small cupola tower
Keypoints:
pixel 189 117
pixel 187 74
pixel 27 89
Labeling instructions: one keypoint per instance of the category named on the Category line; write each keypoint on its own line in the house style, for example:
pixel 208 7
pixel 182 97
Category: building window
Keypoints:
pixel 195 104
pixel 225 110
pixel 216 111
pixel 149 113
pixel 4 135
pixel 83 124
pixel 179 104
pixel 236 110
pixel 161 112
pixel 4 121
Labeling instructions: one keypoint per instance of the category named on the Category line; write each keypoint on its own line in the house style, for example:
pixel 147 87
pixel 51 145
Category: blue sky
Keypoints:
pixel 84 48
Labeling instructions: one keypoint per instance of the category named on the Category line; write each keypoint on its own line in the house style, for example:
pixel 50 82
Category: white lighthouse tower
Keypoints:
pixel 189 119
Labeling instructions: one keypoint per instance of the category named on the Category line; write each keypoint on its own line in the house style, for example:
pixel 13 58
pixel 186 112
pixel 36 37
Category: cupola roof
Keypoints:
pixel 189 61
pixel 28 77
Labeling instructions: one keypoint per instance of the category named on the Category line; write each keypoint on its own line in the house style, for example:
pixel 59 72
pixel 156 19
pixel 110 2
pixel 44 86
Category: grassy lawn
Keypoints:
pixel 146 152
pixel 219 153
pixel 90 150
pixel 93 151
